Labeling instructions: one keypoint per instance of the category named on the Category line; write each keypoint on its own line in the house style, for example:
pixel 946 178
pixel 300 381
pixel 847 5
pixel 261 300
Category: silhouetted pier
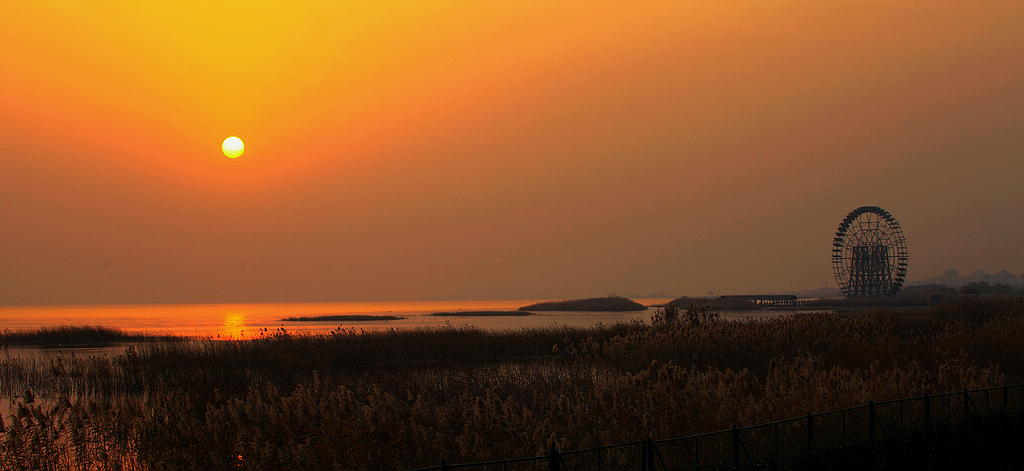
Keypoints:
pixel 789 301
pixel 765 300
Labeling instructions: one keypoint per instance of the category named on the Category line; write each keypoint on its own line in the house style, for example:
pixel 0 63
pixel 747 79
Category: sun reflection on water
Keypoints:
pixel 234 325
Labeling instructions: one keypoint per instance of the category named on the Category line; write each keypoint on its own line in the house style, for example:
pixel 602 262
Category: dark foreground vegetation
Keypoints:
pixel 605 304
pixel 402 399
pixel 70 336
pixel 979 442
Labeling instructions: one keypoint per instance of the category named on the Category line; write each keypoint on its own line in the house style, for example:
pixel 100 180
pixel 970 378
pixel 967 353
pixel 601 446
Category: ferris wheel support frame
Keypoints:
pixel 869 253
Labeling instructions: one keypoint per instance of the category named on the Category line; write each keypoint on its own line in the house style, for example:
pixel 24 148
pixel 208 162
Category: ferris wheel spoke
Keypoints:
pixel 869 254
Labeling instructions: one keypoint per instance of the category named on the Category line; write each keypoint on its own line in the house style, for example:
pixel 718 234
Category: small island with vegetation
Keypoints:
pixel 481 313
pixel 342 317
pixel 606 304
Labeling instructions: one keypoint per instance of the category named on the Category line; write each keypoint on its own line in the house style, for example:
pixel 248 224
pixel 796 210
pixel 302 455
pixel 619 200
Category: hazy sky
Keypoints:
pixel 403 150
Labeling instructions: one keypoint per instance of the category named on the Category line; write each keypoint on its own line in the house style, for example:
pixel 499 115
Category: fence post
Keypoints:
pixel 871 418
pixel 444 465
pixel 696 451
pixel 652 449
pixel 967 403
pixel 844 423
pixel 810 430
pixel 1006 398
pixel 927 408
pixel 645 456
pixel 554 458
pixel 776 440
pixel 735 447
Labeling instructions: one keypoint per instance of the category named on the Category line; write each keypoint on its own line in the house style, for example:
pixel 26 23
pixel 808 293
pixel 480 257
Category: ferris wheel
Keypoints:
pixel 869 253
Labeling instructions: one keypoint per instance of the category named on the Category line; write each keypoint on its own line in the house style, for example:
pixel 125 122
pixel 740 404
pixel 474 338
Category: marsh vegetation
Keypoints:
pixel 70 336
pixel 406 398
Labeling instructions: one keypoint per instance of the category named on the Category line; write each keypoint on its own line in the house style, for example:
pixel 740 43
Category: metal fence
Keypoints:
pixel 748 447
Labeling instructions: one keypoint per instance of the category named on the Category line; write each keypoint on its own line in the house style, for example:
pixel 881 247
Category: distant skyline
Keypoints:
pixel 497 150
pixel 954 279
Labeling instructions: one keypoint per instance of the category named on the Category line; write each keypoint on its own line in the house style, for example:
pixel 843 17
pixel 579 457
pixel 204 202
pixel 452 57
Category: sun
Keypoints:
pixel 232 147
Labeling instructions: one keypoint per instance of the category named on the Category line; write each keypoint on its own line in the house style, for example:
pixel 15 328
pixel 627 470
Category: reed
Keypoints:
pixel 391 399
pixel 68 335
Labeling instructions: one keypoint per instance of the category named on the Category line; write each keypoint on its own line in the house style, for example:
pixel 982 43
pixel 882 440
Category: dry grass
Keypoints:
pixel 396 399
pixel 64 336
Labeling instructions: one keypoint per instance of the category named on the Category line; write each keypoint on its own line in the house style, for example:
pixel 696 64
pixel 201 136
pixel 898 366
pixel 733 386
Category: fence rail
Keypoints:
pixel 747 447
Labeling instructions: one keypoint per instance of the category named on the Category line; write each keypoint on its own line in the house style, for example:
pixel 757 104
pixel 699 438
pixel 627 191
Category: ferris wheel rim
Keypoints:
pixel 878 229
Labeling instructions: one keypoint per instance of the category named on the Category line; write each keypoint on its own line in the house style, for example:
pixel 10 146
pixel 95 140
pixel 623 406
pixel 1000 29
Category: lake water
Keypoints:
pixel 237 321
pixel 240 321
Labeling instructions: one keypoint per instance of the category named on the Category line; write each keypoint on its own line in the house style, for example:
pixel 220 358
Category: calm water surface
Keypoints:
pixel 238 321
pixel 241 321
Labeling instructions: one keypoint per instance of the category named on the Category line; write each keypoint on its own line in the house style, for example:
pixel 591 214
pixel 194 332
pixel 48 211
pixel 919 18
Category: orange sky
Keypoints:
pixel 471 150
